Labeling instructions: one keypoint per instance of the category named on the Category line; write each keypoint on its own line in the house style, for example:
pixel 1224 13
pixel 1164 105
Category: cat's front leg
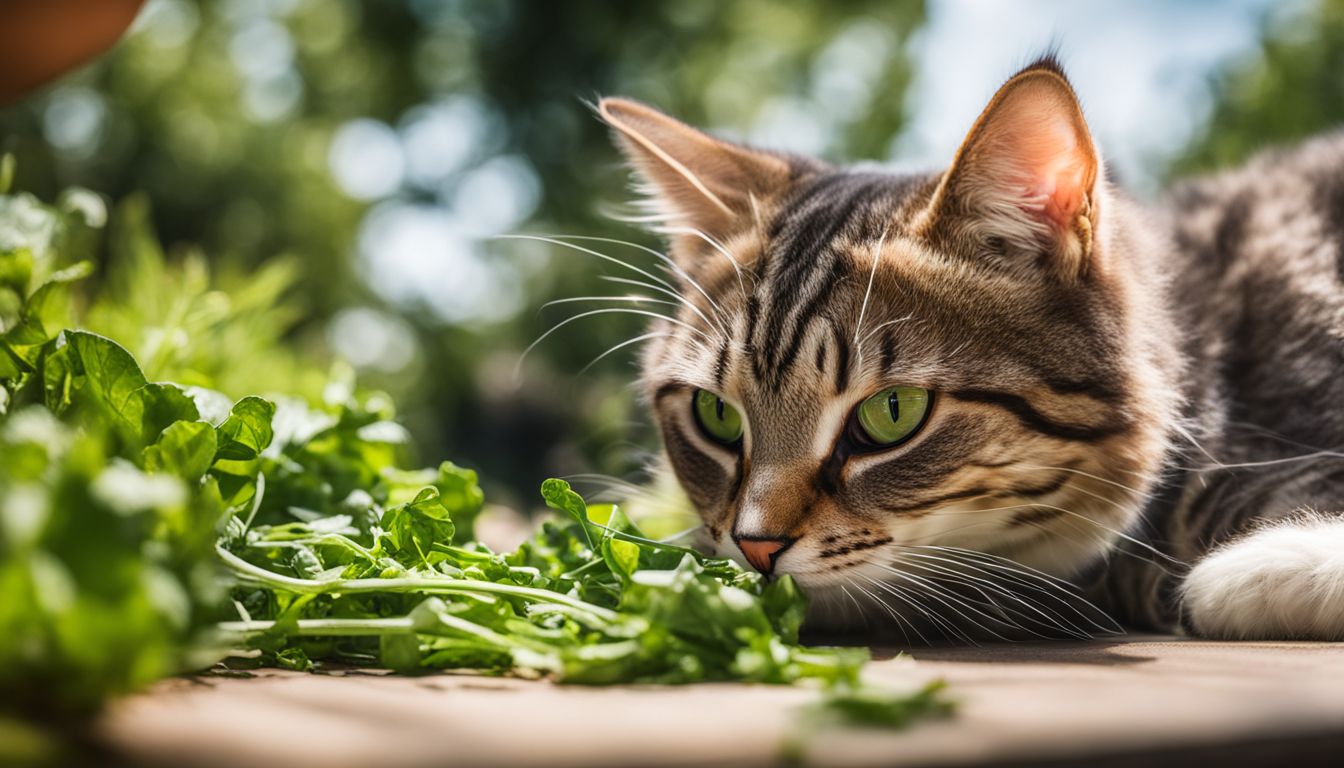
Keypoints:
pixel 1279 581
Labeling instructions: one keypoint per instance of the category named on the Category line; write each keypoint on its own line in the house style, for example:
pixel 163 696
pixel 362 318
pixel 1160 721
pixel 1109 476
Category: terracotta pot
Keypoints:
pixel 41 39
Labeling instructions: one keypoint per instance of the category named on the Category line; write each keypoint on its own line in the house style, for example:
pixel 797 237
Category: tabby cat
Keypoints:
pixel 947 400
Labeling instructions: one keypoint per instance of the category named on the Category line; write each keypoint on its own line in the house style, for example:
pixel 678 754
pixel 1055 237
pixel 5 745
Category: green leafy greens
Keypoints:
pixel 149 527
pixel 588 599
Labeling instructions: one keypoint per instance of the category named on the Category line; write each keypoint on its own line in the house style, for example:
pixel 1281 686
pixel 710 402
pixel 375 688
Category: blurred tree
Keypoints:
pixel 381 144
pixel 1290 87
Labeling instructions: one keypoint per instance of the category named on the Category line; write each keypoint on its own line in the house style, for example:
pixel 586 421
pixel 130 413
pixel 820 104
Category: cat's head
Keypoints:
pixel 862 361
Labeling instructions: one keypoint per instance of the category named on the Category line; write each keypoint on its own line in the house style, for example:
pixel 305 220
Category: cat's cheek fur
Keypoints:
pixel 1280 582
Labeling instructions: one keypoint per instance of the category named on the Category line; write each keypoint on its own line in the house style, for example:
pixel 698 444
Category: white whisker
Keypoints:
pixel 1269 462
pixel 936 621
pixel 868 294
pixel 981 583
pixel 900 623
pixel 880 326
pixel 623 345
pixel 936 591
pixel 589 251
pixel 1014 574
pixel 715 244
pixel 1117 533
pixel 682 299
pixel 943 624
pixel 863 615
pixel 631 299
pixel 1005 605
pixel 609 310
pixel 671 264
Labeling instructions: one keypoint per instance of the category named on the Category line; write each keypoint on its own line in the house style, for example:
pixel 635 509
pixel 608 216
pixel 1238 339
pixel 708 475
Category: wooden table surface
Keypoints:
pixel 1140 701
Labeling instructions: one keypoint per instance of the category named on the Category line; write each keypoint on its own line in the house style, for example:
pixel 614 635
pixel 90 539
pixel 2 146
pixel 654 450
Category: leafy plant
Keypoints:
pixel 103 562
pixel 113 486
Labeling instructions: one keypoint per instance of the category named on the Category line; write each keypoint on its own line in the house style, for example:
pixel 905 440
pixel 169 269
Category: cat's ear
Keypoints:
pixel 694 179
pixel 1027 179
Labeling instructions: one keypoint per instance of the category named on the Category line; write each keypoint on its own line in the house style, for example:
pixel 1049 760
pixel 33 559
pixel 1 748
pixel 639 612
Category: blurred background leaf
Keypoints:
pixel 1289 87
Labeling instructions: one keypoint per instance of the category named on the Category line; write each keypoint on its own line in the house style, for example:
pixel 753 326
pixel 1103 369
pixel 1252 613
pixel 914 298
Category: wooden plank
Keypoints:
pixel 1028 704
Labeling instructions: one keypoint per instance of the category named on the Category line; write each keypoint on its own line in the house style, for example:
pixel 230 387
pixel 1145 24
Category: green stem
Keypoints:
pixel 326 627
pixel 381 627
pixel 425 586
pixel 256 501
pixel 584 567
pixel 483 633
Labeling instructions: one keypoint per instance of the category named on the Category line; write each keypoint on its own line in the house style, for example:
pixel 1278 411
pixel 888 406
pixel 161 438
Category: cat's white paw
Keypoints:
pixel 1282 582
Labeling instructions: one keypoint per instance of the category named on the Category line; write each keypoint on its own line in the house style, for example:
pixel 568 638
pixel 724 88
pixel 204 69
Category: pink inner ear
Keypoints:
pixel 1066 199
pixel 1058 167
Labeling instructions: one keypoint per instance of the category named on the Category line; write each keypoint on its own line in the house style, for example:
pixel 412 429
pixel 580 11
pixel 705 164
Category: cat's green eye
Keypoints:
pixel 893 415
pixel 716 417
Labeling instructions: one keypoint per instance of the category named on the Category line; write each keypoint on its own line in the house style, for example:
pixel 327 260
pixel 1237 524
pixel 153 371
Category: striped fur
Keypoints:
pixel 1118 391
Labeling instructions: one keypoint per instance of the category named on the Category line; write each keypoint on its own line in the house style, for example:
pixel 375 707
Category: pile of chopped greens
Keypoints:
pixel 152 527
pixel 588 599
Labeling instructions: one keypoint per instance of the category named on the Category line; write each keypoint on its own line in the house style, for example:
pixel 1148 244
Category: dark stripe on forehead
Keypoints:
pixel 1035 420
pixel 801 323
pixel 800 240
pixel 749 333
pixel 802 266
pixel 809 215
pixel 721 365
pixel 841 358
pixel 887 358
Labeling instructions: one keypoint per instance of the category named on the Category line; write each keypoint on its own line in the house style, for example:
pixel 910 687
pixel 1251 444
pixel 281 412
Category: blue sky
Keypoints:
pixel 1140 68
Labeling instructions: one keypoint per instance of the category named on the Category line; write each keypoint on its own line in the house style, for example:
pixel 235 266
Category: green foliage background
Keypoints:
pixel 1289 88
pixel 250 192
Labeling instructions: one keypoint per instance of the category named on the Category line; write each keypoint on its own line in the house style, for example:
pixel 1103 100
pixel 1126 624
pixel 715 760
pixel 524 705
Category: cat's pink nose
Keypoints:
pixel 762 553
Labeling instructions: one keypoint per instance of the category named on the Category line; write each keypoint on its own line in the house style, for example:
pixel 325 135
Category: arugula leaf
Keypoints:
pixel 58 368
pixel 162 406
pixel 416 526
pixel 786 606
pixel 247 431
pixel 112 381
pixel 561 498
pixel 622 557
pixel 185 448
pixel 877 708
pixel 41 317
pixel 462 497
